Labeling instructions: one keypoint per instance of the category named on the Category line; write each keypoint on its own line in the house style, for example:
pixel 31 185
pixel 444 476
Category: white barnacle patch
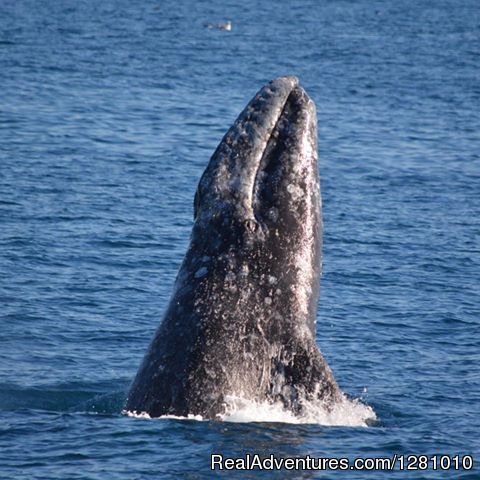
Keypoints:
pixel 272 280
pixel 201 272
pixel 243 271
pixel 268 300
pixel 272 214
pixel 295 191
pixel 230 282
pixel 230 277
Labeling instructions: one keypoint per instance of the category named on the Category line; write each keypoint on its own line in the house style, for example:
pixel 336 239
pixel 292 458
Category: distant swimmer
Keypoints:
pixel 219 26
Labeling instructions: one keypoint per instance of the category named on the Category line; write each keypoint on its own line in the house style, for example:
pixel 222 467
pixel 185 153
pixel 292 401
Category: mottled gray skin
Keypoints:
pixel 241 320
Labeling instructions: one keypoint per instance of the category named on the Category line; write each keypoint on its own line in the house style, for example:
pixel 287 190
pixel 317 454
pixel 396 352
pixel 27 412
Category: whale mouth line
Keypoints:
pixel 270 143
pixel 265 165
pixel 272 172
pixel 280 117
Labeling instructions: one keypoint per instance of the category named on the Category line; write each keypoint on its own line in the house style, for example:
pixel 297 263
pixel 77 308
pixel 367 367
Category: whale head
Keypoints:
pixel 260 193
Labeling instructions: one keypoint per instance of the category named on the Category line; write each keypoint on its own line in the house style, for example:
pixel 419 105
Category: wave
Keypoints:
pixel 100 398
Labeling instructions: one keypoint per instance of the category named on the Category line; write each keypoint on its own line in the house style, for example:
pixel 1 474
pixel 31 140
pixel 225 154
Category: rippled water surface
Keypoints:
pixel 109 112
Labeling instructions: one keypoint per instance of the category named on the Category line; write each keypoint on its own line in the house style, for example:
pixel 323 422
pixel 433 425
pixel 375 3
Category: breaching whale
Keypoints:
pixel 241 319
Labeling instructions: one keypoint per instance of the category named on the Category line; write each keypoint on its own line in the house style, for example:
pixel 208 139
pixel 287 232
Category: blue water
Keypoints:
pixel 109 111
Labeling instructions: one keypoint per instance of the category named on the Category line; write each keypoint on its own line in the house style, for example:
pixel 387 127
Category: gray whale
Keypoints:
pixel 241 320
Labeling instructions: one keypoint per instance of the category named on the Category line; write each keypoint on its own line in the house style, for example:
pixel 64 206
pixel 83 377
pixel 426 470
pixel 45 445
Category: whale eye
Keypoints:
pixel 251 225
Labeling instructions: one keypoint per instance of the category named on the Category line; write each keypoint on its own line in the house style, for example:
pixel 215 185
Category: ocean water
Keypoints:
pixel 109 112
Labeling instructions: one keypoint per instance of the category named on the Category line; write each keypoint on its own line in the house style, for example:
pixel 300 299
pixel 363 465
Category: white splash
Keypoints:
pixel 145 415
pixel 347 413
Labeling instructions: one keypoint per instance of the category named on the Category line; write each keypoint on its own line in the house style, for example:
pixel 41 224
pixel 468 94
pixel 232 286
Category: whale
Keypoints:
pixel 241 321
